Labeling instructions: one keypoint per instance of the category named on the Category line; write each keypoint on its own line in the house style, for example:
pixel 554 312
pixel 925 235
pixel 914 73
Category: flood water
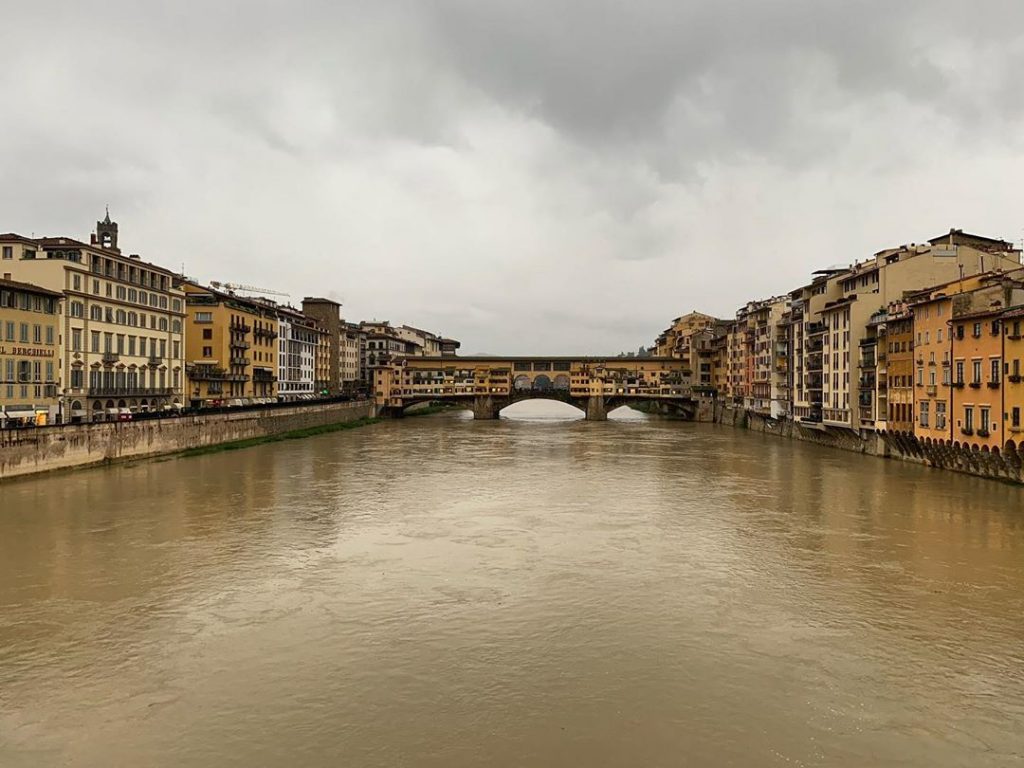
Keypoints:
pixel 443 592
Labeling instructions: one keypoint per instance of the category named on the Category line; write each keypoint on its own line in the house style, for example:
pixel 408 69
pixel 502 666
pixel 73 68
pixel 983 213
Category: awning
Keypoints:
pixel 77 412
pixel 112 411
pixel 19 411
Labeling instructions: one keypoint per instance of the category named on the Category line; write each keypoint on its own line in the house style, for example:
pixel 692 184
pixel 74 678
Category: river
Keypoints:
pixel 529 592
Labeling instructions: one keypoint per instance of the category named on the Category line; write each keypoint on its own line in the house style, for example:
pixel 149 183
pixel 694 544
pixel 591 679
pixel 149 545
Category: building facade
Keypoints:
pixel 231 347
pixel 298 338
pixel 327 314
pixel 29 354
pixel 121 334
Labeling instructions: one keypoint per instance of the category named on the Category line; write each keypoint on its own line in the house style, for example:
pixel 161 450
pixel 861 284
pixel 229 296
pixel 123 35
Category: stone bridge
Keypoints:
pixel 595 385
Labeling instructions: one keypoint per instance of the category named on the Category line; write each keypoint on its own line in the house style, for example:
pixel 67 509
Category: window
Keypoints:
pixel 77 378
pixel 976 332
pixel 49 335
pixel 938 336
pixel 8 252
pixel 76 339
pixel 76 282
pixel 920 376
pixel 923 419
pixel 940 414
pixel 995 370
pixel 1015 417
pixel 969 418
pixel 959 371
pixel 77 309
pixel 207 333
pixel 207 351
pixel 983 420
pixel 94 341
pixel 204 317
pixel 96 312
pixel 977 372
pixel 37 334
pixel 23 333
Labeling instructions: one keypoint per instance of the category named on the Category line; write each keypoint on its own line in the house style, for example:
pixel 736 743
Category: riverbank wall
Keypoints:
pixel 1007 465
pixel 46 449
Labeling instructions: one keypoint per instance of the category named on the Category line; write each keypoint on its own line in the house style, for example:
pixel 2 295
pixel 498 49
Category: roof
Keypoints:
pixel 1017 311
pixel 14 237
pixel 321 300
pixel 954 233
pixel 15 285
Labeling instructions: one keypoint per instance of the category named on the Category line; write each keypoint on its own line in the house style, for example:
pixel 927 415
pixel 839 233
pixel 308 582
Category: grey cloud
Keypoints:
pixel 527 176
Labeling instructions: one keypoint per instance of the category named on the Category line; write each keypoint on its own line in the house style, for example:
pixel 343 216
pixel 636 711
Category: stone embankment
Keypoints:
pixel 44 449
pixel 1001 465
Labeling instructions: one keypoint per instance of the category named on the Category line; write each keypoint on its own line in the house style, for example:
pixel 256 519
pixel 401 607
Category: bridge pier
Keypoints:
pixel 484 407
pixel 595 408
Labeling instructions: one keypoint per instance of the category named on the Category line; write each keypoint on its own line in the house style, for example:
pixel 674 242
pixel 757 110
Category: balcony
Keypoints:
pixel 110 357
pixel 240 327
pixel 931 390
pixel 155 360
pixel 958 384
pixel 975 385
pixel 243 361
pixel 1014 377
pixel 240 345
pixel 983 432
pixel 967 431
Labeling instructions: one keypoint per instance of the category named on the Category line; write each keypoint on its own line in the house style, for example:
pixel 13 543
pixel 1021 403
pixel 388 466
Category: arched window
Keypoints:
pixel 163 323
pixel 95 312
pixel 133 319
pixel 176 326
pixel 121 317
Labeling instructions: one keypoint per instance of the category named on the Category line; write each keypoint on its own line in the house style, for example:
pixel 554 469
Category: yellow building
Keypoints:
pixel 230 348
pixel 29 321
pixel 977 401
pixel 955 358
pixel 121 343
pixel 1013 370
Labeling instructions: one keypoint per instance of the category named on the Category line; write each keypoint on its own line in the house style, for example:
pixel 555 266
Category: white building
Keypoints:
pixel 296 355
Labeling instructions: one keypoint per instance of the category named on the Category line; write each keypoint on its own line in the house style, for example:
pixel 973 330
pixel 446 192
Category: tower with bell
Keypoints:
pixel 106 234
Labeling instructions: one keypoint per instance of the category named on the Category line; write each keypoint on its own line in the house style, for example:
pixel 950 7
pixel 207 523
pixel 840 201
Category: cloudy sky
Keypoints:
pixel 557 176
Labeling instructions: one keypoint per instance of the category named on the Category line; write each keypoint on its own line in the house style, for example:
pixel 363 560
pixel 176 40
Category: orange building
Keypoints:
pixel 1013 386
pixel 977 398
